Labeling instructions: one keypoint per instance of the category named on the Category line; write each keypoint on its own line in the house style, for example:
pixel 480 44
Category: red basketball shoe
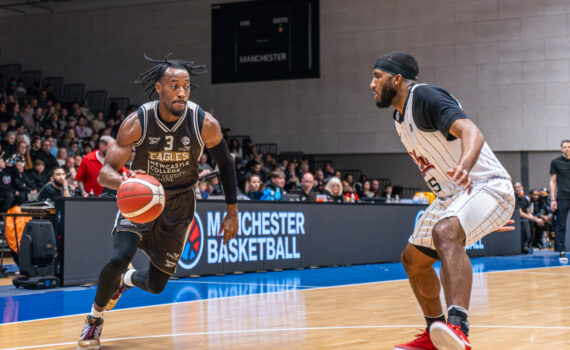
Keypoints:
pixel 422 342
pixel 448 337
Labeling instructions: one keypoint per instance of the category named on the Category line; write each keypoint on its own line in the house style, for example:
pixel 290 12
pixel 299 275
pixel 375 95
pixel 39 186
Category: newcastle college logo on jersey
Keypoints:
pixel 194 246
pixel 423 162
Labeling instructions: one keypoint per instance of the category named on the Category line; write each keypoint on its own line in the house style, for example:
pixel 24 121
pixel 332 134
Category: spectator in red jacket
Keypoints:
pixel 90 166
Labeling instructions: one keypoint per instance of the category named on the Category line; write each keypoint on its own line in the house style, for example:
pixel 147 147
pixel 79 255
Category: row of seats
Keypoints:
pixel 66 93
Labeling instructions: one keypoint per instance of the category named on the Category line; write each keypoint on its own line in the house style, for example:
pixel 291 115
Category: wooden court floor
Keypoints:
pixel 517 309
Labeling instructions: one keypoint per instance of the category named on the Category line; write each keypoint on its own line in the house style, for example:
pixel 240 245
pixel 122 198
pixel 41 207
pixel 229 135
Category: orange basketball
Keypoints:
pixel 141 198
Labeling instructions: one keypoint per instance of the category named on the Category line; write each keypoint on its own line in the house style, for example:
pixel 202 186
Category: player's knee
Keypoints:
pixel 445 235
pixel 156 287
pixel 118 264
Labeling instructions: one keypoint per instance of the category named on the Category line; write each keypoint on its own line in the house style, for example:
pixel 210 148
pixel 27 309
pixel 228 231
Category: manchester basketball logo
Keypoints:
pixel 194 246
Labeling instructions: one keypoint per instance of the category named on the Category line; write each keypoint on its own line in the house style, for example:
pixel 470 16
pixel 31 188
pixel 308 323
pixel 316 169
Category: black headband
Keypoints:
pixel 395 68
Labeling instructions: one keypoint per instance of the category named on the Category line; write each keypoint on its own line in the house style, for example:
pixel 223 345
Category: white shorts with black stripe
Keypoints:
pixel 489 206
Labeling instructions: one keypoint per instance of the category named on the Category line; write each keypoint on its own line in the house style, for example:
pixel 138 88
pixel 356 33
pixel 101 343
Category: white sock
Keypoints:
pixel 95 313
pixel 127 278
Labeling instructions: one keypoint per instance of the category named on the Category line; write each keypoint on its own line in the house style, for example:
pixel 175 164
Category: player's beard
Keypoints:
pixel 178 113
pixel 388 94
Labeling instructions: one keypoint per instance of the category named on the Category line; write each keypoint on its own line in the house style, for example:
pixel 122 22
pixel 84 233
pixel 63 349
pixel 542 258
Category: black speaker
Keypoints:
pixel 37 249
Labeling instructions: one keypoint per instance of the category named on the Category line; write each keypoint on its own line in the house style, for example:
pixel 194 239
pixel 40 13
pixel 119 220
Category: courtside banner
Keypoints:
pixel 272 235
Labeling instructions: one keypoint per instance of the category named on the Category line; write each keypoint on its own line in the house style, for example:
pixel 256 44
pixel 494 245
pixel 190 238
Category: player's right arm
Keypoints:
pixel 129 133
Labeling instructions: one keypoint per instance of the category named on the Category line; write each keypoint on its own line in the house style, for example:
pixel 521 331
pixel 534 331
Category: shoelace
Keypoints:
pixel 422 334
pixel 91 331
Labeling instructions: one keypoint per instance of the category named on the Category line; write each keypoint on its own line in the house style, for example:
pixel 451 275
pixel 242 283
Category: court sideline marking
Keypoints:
pixel 268 330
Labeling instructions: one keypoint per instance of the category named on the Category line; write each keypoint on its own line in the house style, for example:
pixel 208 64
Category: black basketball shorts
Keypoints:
pixel 163 239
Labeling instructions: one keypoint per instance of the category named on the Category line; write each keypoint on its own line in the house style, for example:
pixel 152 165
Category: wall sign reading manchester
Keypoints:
pixel 265 40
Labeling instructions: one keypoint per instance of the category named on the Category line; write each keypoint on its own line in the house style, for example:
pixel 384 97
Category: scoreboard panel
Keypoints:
pixel 265 40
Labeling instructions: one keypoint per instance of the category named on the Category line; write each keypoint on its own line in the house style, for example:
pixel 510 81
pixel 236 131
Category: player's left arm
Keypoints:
pixel 218 149
pixel 472 141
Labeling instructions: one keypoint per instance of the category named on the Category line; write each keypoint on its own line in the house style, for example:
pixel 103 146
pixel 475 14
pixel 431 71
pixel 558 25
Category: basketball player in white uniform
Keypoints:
pixel 474 195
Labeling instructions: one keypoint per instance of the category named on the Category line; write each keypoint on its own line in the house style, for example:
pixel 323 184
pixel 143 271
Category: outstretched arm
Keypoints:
pixel 471 143
pixel 129 133
pixel 217 147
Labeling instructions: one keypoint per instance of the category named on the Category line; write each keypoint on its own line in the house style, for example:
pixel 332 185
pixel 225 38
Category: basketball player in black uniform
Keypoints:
pixel 168 137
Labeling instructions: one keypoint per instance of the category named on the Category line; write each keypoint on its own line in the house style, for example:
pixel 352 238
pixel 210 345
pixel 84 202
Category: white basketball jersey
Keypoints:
pixel 434 154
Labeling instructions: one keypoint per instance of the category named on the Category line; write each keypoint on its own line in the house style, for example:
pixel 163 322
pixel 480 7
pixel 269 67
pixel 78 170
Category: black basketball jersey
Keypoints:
pixel 170 151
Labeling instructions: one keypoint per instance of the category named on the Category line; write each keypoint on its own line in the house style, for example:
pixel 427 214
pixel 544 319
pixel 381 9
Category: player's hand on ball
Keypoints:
pixel 132 173
pixel 460 176
pixel 229 226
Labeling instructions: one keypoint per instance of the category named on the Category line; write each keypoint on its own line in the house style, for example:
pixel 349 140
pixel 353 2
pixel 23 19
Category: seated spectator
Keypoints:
pixel 214 186
pixel 23 155
pixel 9 144
pixel 304 168
pixel 366 190
pixel 388 191
pixel 56 187
pixel 293 184
pixel 73 148
pixel 375 188
pixel 203 163
pixel 2 153
pixel 98 123
pixel 83 131
pixel 522 203
pixel 348 177
pixel 44 154
pixel 235 148
pixel 348 192
pixel 541 212
pixel 61 156
pixel 328 171
pixel 7 192
pixel 254 187
pixel 24 184
pixel 69 164
pixel 35 147
pixel 201 189
pixel 274 190
pixel 39 174
pixel 255 169
pixel 308 195
pixel 333 190
pixel 292 170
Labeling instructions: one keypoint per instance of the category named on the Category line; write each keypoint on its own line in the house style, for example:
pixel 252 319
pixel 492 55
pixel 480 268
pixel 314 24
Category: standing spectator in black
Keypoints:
pixel 39 174
pixel 560 196
pixel 7 192
pixel 49 160
pixel 307 183
pixel 56 187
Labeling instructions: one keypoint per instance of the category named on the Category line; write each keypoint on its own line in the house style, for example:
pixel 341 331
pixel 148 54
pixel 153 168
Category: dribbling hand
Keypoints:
pixel 132 173
pixel 460 176
pixel 229 226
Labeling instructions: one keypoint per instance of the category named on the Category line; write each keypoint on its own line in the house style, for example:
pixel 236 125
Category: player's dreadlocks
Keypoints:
pixel 150 77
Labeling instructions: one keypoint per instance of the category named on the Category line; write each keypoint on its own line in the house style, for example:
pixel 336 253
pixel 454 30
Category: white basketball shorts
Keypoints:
pixel 489 206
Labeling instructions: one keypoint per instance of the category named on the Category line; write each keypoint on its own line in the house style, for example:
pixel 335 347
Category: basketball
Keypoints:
pixel 141 198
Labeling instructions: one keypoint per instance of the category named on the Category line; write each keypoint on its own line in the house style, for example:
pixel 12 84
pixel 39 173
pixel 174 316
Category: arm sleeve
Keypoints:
pixel 553 169
pixel 435 109
pixel 221 155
